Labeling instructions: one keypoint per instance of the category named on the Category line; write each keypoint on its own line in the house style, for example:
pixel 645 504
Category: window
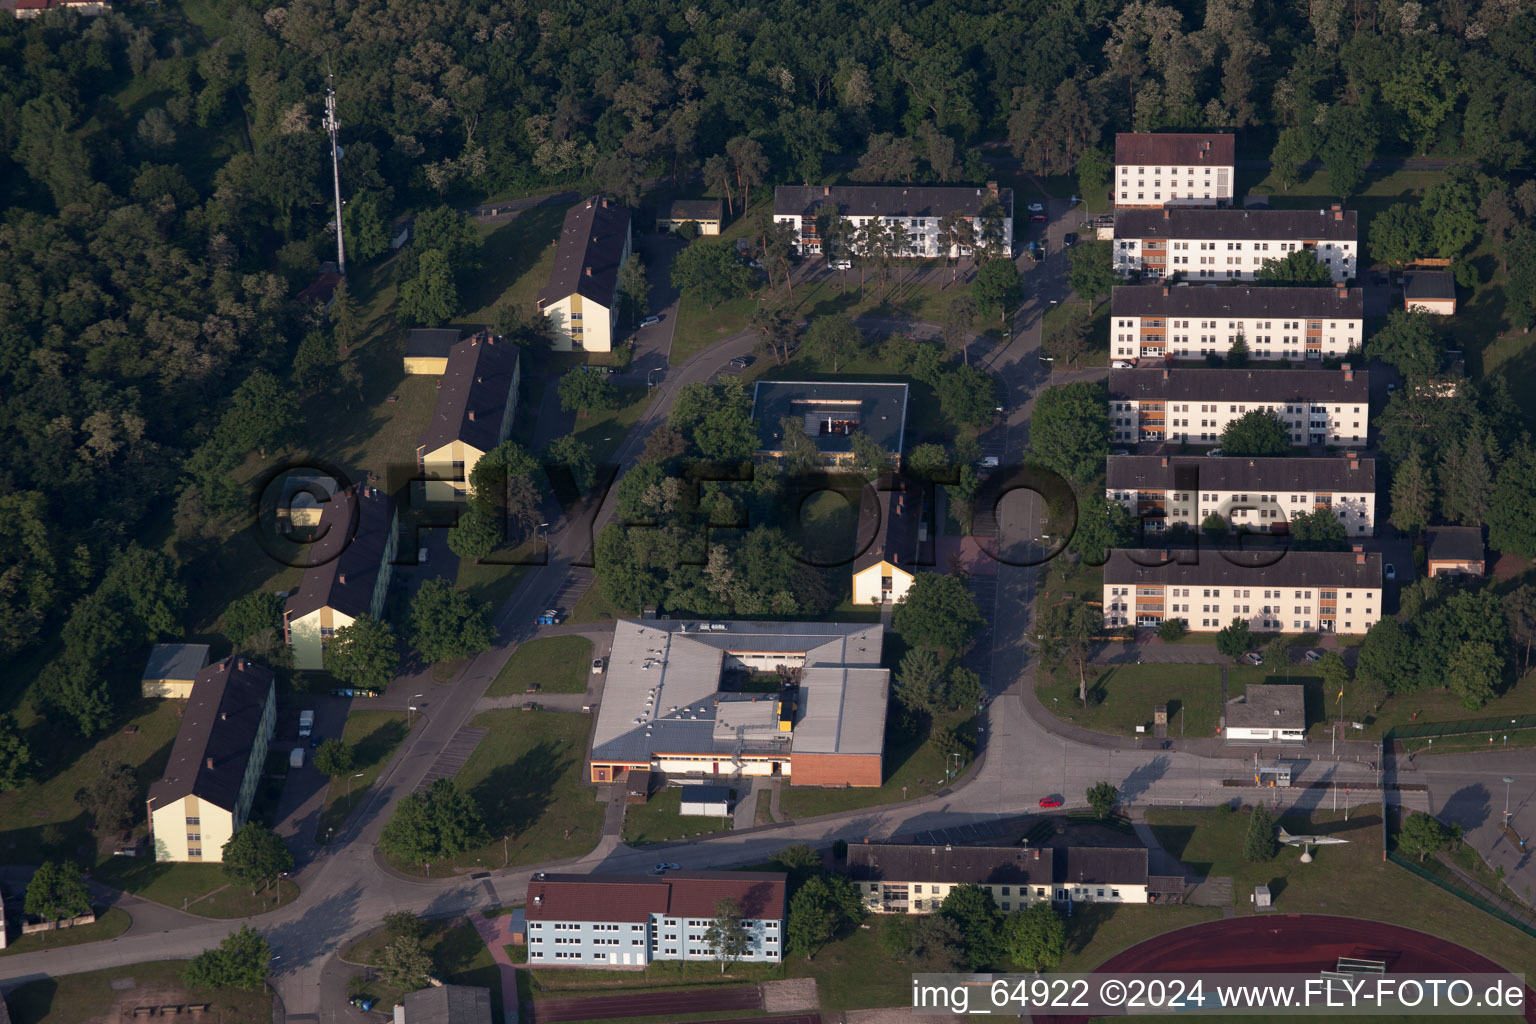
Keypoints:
pixel 194 821
pixel 194 837
pixel 194 851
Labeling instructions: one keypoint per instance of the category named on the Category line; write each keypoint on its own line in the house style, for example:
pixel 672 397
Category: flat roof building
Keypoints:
pixel 915 878
pixel 830 412
pixel 172 669
pixel 665 708
pixel 1269 713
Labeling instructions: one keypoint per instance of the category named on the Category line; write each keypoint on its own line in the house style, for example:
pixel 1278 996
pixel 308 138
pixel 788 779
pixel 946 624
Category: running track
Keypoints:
pixel 648 1004
pixel 1298 943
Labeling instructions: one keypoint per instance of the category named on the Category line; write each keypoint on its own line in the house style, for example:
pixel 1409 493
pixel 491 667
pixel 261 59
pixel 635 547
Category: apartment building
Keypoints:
pixel 1231 244
pixel 916 209
pixel 896 878
pixel 1319 407
pixel 1175 169
pixel 1263 495
pixel 581 299
pixel 476 401
pixel 633 920
pixel 216 762
pixel 892 541
pixel 1273 590
pixel 1161 321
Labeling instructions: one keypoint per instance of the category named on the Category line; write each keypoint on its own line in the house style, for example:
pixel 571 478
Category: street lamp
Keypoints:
pixel 410 710
pixel 1507 781
pixel 648 382
pixel 349 790
pixel 545 528
pixel 503 851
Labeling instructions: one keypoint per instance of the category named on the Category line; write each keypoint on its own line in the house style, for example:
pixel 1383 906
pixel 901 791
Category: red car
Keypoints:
pixel 1037 216
pixel 1049 801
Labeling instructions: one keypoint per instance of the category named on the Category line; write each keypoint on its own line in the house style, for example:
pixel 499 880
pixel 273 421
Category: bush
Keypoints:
pixel 1224 808
pixel 1171 630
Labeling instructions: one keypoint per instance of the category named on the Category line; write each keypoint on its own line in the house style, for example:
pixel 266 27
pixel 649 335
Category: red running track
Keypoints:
pixel 1301 944
pixel 647 1004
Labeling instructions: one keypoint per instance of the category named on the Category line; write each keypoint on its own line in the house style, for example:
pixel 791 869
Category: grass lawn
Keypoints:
pixel 1097 931
pixel 563 982
pixel 202 889
pixel 47 801
pixel 1085 582
pixel 658 820
pixel 81 997
pixel 855 972
pixel 1056 319
pixel 699 327
pixel 373 737
pixel 604 431
pixel 459 957
pixel 592 606
pixel 516 256
pixel 1350 880
pixel 527 776
pixel 1122 697
pixel 109 925
pixel 828 528
pixel 910 762
pixel 559 664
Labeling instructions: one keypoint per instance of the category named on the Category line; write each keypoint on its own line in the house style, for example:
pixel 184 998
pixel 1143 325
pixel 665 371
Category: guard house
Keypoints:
pixel 830 413
pixel 1268 714
pixel 1455 551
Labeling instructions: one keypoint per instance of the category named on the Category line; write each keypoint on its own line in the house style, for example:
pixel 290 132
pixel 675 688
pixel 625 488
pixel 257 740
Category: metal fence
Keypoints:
pixel 1418 730
pixel 1437 874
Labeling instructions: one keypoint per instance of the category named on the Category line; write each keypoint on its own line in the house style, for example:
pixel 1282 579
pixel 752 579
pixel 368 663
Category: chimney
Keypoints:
pixel 992 189
pixel 471 415
pixel 1037 853
pixel 209 763
pixel 1165 554
pixel 1341 288
pixel 1357 548
pixel 1354 463
pixel 826 191
pixel 1165 290
pixel 1359 558
pixel 1165 213
pixel 1165 462
pixel 589 204
pixel 1165 373
pixel 589 271
pixel 342 579
pixel 1349 372
pixel 223 717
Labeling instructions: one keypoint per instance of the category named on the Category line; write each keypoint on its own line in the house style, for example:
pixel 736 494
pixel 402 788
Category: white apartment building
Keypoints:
pixel 1159 321
pixel 1294 591
pixel 1153 169
pixel 1231 244
pixel 918 209
pixel 1263 495
pixel 1319 407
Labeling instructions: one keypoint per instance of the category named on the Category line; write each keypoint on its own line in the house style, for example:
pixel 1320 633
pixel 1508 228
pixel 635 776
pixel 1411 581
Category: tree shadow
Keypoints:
pixel 515 796
pixel 1139 781
pixel 1174 839
pixel 317 932
pixel 1470 806
pixel 379 744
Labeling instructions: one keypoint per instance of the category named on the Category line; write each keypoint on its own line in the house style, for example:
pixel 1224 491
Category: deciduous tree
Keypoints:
pixel 1299 268
pixel 1069 431
pixel 111 797
pixel 585 392
pixel 1258 432
pixel 239 961
pixel 1234 639
pixel 938 613
pixel 57 891
pixel 1102 797
pixel 1091 271
pixel 363 654
pixel 727 934
pixel 334 758
pixel 255 856
pixel 433 824
pixel 1035 937
pixel 448 622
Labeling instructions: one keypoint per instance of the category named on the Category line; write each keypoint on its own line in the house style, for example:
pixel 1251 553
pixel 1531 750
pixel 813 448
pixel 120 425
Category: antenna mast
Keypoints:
pixel 332 126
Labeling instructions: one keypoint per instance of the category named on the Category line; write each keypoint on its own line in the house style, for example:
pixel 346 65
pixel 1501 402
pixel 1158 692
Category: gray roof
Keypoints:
pixel 1455 544
pixel 1260 568
pixel 430 342
pixel 878 409
pixel 1269 706
pixel 472 401
pixel 449 1004
pixel 1185 473
pixel 690 209
pixel 1429 284
pixel 1168 149
pixel 1198 222
pixel 176 661
pixel 1107 865
pixel 220 723
pixel 1237 301
pixel 888 200
pixel 662 693
pixel 954 865
pixel 1199 384
pixel 345 562
pixel 891 514
pixel 706 794
pixel 588 253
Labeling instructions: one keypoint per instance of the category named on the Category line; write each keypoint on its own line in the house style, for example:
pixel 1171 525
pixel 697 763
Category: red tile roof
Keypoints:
pixel 1170 149
pixel 634 898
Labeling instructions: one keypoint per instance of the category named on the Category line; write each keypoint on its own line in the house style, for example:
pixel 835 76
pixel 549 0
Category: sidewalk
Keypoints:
pixel 493 932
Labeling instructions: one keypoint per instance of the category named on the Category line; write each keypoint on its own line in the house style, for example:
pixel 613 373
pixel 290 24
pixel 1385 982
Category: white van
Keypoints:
pixel 296 759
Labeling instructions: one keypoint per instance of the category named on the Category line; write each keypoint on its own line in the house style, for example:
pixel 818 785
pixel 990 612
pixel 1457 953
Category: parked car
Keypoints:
pixel 1036 207
pixel 1036 252
pixel 1050 801
pixel 664 866
pixel 1124 364
pixel 597 666
pixel 650 320
pixel 533 688
pixel 987 462
pixel 742 362
pixel 1390 571
pixel 533 706
pixel 841 264
pixel 551 617
pixel 306 723
pixel 1253 658
pixel 1121 451
pixel 1068 241
pixel 1037 217
pixel 1215 453
pixel 1313 655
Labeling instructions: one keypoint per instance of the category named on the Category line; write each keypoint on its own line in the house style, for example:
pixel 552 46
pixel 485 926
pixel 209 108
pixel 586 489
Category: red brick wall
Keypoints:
pixel 835 770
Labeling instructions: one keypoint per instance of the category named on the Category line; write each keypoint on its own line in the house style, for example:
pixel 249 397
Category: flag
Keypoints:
pixel 1341 696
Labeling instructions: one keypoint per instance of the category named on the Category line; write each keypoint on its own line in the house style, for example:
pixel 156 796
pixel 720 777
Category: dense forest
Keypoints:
pixel 168 192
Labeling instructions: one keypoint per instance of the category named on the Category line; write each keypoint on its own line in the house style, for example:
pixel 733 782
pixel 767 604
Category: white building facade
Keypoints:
pixel 1293 591
pixel 1261 495
pixel 1318 407
pixel 1175 169
pixel 1224 245
pixel 918 209
pixel 1181 322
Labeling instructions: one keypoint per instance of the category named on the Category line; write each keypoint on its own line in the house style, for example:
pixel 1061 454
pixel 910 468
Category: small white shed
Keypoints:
pixel 706 801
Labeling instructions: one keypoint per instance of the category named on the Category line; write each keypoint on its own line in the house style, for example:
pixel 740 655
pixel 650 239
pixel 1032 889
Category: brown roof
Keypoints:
pixel 981 865
pixel 1263 567
pixel 220 722
pixel 323 288
pixel 472 401
pixel 1199 384
pixel 344 564
pixel 1235 225
pixel 1337 303
pixel 1107 865
pixel 634 898
pixel 588 253
pixel 691 209
pixel 888 200
pixel 1167 150
pixel 890 523
pixel 1191 473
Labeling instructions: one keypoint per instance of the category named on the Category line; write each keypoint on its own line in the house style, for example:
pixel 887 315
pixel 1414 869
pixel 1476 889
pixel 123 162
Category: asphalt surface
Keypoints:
pixel 346 891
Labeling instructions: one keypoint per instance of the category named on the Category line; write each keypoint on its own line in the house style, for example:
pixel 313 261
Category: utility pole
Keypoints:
pixel 332 126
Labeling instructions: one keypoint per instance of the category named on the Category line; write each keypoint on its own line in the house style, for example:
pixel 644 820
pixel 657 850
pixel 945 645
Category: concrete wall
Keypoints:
pixel 1259 512
pixel 201 840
